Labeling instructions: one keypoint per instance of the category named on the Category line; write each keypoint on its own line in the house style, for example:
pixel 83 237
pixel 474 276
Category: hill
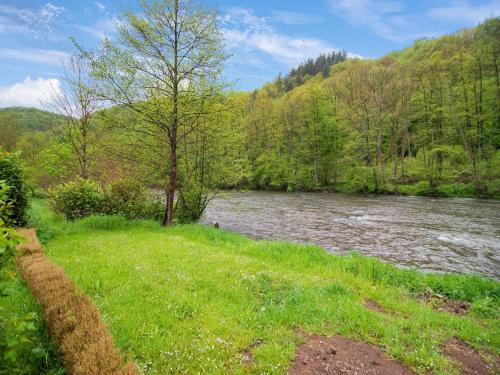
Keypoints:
pixel 423 120
pixel 18 121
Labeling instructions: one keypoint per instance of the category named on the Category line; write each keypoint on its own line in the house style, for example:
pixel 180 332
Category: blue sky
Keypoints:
pixel 265 37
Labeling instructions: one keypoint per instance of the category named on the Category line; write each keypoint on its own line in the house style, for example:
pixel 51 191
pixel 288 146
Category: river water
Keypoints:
pixel 446 235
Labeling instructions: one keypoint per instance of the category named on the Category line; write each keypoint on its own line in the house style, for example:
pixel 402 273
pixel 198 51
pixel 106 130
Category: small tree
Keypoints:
pixel 78 103
pixel 167 59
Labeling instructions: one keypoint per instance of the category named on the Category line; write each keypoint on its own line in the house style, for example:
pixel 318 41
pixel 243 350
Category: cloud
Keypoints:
pixel 463 11
pixel 293 18
pixel 245 32
pixel 38 23
pixel 100 6
pixel 389 19
pixel 102 28
pixel 36 55
pixel 386 18
pixel 30 92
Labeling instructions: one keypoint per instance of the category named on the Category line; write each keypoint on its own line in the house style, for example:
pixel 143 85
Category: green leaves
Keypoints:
pixel 13 194
pixel 78 198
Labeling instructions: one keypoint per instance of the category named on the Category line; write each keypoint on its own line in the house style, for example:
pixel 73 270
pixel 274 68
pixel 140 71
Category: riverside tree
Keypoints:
pixel 78 103
pixel 165 64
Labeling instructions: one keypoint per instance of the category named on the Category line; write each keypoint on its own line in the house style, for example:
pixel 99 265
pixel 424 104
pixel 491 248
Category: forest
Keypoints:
pixel 425 119
pixel 421 121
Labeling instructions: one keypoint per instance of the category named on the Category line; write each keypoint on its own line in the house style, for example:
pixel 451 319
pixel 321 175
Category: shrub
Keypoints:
pixel 420 188
pixel 457 190
pixel 191 203
pixel 494 188
pixel 154 210
pixel 78 198
pixel 11 173
pixel 359 180
pixel 127 198
pixel 130 199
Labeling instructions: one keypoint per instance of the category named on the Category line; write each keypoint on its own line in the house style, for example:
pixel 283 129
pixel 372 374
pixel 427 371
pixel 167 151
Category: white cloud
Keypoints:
pixel 463 11
pixel 102 28
pixel 38 23
pixel 390 20
pixel 100 6
pixel 245 32
pixel 36 55
pixel 385 17
pixel 292 18
pixel 30 92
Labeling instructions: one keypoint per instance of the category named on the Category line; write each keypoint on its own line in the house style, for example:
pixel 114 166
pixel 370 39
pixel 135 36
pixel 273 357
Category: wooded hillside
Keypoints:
pixel 427 116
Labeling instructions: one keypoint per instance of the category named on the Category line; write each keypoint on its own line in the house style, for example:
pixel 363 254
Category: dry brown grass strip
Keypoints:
pixel 30 243
pixel 72 318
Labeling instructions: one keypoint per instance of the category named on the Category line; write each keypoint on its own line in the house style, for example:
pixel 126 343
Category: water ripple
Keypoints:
pixel 450 235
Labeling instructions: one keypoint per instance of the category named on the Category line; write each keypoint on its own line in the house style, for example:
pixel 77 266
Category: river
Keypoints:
pixel 433 234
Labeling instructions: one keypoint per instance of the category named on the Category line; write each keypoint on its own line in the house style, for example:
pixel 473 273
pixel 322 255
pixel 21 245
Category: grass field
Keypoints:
pixel 192 299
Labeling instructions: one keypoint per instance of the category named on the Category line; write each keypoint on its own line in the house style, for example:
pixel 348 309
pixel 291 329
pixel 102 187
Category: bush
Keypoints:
pixel 420 188
pixel 78 198
pixel 457 190
pixel 130 199
pixel 359 180
pixel 191 203
pixel 11 173
pixel 127 198
pixel 154 210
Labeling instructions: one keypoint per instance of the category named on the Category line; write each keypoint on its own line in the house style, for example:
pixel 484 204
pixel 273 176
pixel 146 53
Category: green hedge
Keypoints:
pixel 11 173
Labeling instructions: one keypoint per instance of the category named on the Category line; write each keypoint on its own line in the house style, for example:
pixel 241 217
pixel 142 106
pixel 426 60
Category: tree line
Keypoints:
pixel 426 117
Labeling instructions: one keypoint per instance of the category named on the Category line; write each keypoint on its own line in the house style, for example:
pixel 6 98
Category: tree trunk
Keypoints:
pixel 169 207
pixel 85 160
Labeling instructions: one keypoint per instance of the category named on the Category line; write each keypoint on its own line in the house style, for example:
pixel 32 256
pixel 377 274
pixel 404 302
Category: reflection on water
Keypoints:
pixel 453 235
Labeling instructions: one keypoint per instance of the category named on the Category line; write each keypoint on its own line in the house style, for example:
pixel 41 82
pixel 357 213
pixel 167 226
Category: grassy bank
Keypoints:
pixel 192 299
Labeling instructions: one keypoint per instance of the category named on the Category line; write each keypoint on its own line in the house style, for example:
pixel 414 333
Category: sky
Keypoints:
pixel 264 37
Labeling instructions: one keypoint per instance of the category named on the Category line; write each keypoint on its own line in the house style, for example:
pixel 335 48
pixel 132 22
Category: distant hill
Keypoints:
pixel 17 121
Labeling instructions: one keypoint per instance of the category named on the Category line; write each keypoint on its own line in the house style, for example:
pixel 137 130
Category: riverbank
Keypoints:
pixel 193 299
pixel 418 189
pixel 433 234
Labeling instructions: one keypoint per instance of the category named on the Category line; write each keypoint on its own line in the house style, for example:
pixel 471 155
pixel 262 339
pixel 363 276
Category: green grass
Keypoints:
pixel 25 347
pixel 189 299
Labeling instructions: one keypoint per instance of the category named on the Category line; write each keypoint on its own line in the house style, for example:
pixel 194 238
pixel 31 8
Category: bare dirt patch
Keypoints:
pixel 454 307
pixel 246 353
pixel 441 303
pixel 375 306
pixel 339 355
pixel 470 360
